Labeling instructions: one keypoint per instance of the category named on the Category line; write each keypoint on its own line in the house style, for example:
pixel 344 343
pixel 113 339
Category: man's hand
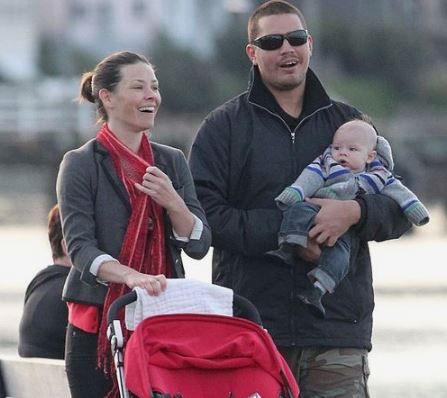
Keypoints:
pixel 333 220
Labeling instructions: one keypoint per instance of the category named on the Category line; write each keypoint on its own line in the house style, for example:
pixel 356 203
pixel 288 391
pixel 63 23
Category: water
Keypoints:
pixel 410 322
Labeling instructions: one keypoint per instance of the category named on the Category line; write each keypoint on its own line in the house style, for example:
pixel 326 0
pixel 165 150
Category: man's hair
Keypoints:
pixel 272 7
pixel 55 232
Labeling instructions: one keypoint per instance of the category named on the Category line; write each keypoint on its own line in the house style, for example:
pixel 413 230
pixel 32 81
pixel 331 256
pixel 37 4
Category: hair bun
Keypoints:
pixel 87 87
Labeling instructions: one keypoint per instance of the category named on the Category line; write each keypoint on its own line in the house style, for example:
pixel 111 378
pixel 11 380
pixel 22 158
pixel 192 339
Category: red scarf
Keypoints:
pixel 143 248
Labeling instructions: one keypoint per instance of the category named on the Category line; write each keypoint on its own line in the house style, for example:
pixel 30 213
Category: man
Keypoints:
pixel 44 320
pixel 245 153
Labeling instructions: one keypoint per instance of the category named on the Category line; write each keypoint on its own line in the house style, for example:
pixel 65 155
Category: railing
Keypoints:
pixel 26 113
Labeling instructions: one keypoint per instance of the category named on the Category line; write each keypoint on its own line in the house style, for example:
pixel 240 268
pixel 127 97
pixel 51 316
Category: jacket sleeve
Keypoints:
pixel 195 248
pixel 216 165
pixel 308 182
pixel 413 208
pixel 76 203
pixel 381 218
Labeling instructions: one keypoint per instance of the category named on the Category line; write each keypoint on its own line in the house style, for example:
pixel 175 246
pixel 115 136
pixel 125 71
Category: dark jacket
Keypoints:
pixel 242 158
pixel 44 320
pixel 95 211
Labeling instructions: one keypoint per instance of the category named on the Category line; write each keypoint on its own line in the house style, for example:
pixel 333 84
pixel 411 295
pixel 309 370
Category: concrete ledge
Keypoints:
pixel 32 377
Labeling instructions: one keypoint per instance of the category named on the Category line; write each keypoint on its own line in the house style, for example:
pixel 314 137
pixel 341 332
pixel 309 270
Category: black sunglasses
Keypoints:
pixel 273 42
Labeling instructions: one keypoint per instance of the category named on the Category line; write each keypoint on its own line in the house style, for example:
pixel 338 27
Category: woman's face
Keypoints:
pixel 133 104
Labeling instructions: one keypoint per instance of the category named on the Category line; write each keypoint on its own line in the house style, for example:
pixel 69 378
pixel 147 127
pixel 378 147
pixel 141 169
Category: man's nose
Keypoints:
pixel 286 46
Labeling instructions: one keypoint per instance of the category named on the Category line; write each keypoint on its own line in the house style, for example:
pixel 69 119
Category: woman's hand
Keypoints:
pixel 159 187
pixel 115 272
pixel 153 284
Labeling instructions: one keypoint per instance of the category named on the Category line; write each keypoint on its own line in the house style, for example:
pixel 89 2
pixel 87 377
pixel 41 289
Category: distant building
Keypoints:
pixel 94 27
pixel 102 26
pixel 19 39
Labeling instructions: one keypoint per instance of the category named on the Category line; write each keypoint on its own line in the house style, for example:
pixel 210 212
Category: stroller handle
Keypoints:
pixel 244 308
pixel 241 307
pixel 119 303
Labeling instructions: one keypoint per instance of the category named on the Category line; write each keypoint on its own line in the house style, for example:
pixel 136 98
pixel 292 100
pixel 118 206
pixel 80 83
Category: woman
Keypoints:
pixel 128 207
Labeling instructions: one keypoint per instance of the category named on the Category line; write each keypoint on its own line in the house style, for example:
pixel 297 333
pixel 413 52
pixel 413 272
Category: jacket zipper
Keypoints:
pixel 293 292
pixel 292 133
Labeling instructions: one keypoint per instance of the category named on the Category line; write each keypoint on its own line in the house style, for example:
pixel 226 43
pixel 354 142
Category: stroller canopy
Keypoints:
pixel 210 356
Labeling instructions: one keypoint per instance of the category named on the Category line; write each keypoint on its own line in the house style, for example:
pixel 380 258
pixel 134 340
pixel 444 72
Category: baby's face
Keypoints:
pixel 353 145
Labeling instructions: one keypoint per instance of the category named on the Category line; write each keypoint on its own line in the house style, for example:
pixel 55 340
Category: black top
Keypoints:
pixel 44 319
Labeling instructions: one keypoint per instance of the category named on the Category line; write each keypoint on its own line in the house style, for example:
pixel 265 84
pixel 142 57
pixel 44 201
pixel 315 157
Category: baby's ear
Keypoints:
pixel 371 156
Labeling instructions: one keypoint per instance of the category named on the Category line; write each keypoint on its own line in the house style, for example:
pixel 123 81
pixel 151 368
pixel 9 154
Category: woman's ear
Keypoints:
pixel 104 96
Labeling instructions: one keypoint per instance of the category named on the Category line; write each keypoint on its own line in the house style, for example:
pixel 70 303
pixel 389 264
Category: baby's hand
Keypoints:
pixel 311 253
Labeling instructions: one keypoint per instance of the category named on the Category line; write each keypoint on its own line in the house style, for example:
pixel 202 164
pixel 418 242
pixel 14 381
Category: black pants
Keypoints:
pixel 84 378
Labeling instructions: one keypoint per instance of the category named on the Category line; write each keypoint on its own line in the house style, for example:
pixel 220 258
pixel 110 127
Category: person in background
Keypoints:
pixel 245 152
pixel 357 162
pixel 43 324
pixel 128 208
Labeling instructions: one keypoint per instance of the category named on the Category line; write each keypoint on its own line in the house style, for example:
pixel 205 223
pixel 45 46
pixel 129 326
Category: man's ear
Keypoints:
pixel 64 247
pixel 310 43
pixel 251 53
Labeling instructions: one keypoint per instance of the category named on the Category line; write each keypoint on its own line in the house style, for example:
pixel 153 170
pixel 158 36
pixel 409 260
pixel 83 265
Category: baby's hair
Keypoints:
pixel 363 117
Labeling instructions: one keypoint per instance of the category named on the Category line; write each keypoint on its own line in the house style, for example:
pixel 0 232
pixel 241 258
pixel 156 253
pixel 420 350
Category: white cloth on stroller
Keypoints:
pixel 180 296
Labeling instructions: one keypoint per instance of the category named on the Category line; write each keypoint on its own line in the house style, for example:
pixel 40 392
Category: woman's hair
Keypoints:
pixel 55 232
pixel 272 7
pixel 107 74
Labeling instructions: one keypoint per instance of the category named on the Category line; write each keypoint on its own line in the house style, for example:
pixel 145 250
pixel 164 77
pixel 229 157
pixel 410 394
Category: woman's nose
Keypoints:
pixel 148 93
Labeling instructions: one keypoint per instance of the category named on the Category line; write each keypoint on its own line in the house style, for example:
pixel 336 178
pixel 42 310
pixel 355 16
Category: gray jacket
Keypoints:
pixel 95 211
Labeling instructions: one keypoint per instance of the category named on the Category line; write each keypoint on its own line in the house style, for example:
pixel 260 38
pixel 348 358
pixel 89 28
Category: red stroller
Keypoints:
pixel 196 355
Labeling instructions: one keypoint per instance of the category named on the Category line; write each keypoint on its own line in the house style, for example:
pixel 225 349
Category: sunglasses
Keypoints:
pixel 273 42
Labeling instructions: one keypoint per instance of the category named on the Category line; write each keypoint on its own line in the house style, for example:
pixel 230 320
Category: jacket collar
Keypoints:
pixel 105 160
pixel 315 96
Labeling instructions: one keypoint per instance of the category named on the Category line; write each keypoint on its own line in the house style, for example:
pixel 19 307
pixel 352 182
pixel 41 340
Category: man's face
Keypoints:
pixel 285 68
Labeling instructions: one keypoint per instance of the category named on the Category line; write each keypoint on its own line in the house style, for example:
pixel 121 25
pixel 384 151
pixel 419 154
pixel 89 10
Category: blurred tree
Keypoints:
pixel 230 47
pixel 230 59
pixel 377 51
pixel 56 58
pixel 433 88
pixel 48 57
pixel 187 83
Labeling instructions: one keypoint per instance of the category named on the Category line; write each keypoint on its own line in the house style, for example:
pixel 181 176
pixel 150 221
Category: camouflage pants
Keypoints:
pixel 329 373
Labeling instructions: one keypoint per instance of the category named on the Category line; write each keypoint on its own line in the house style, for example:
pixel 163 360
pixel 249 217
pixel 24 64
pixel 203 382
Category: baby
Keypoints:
pixel 357 162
